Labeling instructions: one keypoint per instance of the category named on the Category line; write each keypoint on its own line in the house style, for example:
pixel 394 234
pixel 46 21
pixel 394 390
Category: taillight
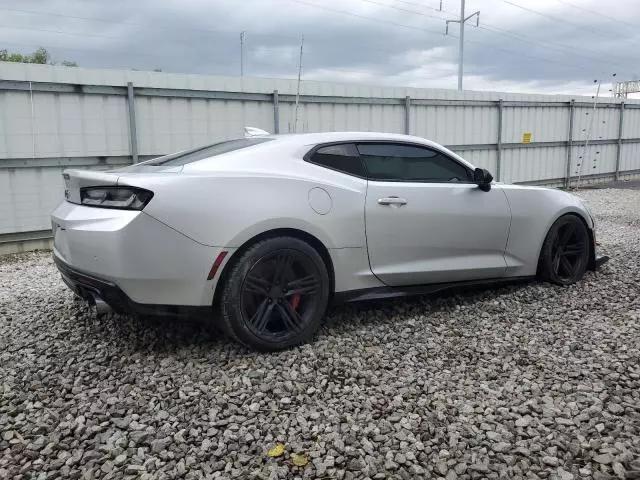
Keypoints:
pixel 126 198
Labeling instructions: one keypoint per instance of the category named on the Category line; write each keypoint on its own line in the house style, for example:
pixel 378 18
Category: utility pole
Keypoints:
pixel 242 37
pixel 462 21
pixel 295 122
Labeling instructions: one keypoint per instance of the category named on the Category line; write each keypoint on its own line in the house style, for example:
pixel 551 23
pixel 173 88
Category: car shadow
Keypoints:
pixel 148 333
pixel 168 336
pixel 355 314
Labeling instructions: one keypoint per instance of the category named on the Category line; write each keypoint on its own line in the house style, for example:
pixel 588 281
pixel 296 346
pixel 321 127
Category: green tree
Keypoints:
pixel 40 56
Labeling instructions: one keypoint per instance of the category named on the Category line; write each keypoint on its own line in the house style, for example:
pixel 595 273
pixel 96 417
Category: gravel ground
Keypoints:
pixel 533 381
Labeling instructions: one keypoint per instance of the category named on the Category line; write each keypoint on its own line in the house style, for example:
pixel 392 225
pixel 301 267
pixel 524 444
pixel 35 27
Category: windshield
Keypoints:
pixel 200 153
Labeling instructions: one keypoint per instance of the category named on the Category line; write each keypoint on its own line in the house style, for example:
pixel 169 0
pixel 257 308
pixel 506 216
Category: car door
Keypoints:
pixel 425 219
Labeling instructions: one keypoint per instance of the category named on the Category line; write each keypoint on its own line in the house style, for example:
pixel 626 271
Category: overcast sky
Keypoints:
pixel 521 45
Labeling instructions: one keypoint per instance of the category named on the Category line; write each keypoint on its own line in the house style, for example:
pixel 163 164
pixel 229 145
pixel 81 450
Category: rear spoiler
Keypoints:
pixel 254 132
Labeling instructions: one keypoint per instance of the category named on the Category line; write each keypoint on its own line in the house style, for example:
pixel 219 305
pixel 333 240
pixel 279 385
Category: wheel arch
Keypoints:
pixel 307 237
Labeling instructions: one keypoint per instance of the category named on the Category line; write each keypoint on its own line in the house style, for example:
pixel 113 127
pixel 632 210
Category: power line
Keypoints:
pixel 560 47
pixel 564 2
pixel 439 9
pixel 534 57
pixel 510 52
pixel 598 14
pixel 401 9
pixel 388 22
pixel 524 38
pixel 503 32
pixel 577 26
pixel 428 7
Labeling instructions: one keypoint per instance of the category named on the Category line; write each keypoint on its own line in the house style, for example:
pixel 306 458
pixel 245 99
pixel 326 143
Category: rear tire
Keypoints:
pixel 275 294
pixel 565 252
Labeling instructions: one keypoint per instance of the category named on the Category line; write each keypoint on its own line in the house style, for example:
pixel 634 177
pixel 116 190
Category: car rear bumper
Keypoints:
pixel 108 296
pixel 149 262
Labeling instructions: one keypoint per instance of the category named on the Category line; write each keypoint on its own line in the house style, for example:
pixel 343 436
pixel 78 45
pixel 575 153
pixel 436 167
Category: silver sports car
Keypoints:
pixel 266 230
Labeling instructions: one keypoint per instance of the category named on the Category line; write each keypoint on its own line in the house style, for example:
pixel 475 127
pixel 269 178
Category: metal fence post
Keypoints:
pixel 276 113
pixel 407 115
pixel 499 145
pixel 567 175
pixel 619 151
pixel 133 134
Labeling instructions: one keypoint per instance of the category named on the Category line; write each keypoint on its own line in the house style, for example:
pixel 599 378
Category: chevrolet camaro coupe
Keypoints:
pixel 260 233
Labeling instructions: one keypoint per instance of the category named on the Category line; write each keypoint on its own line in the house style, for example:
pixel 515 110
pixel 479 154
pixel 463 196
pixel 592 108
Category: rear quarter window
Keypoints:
pixel 340 157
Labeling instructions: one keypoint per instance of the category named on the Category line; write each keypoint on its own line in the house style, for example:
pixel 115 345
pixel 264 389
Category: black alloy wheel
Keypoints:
pixel 276 294
pixel 565 253
pixel 279 293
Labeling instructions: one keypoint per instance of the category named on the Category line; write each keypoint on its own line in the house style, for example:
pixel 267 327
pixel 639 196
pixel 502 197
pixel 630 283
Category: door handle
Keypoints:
pixel 392 201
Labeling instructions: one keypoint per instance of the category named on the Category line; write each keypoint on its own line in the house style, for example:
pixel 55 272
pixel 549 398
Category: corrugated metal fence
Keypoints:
pixel 57 117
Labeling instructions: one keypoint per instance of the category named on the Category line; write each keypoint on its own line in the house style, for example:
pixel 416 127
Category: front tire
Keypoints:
pixel 275 294
pixel 565 252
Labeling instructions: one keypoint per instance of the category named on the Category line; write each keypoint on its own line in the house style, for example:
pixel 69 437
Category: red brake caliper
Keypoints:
pixel 295 301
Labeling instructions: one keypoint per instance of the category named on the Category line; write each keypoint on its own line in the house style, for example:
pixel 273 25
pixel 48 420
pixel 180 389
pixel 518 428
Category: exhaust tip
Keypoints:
pixel 102 307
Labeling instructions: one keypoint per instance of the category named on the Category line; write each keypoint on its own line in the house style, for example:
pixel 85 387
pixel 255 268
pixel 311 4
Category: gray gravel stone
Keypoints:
pixel 524 421
pixel 500 447
pixel 528 381
pixel 565 475
pixel 604 458
pixel 451 475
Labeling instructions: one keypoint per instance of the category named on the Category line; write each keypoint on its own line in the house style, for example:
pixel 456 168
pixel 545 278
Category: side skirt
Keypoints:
pixel 378 293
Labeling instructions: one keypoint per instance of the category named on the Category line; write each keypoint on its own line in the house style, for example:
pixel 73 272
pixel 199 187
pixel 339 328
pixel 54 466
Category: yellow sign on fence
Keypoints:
pixel 527 137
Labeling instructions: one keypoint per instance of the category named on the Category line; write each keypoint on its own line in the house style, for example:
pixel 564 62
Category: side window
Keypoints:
pixel 409 163
pixel 342 157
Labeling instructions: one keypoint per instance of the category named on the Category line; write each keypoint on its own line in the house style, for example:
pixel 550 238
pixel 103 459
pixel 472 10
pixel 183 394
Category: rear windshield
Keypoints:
pixel 200 153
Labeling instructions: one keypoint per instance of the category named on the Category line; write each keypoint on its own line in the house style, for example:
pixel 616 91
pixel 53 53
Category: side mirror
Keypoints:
pixel 483 178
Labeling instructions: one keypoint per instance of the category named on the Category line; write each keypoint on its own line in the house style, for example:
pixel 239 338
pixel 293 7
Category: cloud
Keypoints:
pixel 388 42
